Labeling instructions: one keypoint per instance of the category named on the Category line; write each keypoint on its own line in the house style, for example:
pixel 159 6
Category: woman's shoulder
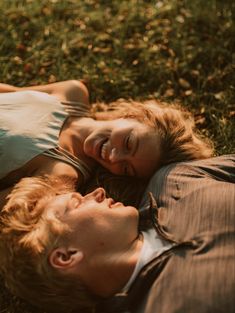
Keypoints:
pixel 25 99
pixel 30 122
pixel 21 112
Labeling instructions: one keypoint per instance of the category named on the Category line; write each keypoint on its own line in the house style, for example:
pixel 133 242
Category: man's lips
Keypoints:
pixel 113 204
pixel 110 202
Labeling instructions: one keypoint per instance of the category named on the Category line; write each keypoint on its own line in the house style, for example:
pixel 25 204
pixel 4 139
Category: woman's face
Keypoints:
pixel 124 147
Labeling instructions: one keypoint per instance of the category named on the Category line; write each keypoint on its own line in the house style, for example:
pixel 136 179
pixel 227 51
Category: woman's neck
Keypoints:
pixel 73 136
pixel 83 127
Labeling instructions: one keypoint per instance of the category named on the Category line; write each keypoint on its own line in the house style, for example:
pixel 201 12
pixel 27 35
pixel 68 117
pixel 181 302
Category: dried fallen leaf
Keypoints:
pixel 135 62
pixel 188 92
pixel 195 73
pixel 51 79
pixel 42 71
pixel 219 95
pixel 28 67
pixel 184 83
pixel 21 47
pixel 180 19
pixel 17 60
pixel 171 52
pixel 169 92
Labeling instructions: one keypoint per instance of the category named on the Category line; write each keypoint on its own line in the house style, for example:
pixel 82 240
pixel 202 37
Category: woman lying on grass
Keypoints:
pixel 52 129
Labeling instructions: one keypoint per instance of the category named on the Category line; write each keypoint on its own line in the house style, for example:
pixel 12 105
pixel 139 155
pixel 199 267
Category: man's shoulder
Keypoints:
pixel 217 164
pixel 168 179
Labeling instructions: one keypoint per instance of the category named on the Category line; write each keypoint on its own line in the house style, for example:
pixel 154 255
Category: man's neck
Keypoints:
pixel 111 273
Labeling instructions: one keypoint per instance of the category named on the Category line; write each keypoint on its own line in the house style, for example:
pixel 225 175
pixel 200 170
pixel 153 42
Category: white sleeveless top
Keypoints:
pixel 30 124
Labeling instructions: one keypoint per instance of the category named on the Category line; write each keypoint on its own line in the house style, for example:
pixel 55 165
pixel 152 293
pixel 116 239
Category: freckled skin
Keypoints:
pixel 98 224
pixel 124 147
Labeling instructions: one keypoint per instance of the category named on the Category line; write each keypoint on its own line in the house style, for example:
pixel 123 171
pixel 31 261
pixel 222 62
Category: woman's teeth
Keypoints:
pixel 103 151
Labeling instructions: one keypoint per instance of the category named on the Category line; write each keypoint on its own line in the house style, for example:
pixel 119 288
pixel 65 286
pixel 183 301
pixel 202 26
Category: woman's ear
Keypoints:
pixel 65 258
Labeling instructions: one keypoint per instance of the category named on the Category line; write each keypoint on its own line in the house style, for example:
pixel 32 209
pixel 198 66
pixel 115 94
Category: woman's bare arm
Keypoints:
pixel 69 90
pixel 8 88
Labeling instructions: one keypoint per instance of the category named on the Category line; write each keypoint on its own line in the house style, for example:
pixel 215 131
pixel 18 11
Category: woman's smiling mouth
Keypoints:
pixel 104 150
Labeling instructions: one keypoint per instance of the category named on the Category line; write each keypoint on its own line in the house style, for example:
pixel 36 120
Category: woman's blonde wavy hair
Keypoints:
pixel 179 139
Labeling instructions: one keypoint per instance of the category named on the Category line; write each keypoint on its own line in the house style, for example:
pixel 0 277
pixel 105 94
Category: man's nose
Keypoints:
pixel 116 155
pixel 99 194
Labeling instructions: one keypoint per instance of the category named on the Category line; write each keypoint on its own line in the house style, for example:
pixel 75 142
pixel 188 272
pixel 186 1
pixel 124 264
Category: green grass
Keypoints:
pixel 174 50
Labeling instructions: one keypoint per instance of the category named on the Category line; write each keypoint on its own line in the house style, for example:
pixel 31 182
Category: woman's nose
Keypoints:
pixel 99 194
pixel 116 155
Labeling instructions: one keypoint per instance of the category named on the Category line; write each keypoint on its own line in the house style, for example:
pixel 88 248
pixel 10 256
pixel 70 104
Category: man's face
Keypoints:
pixel 98 224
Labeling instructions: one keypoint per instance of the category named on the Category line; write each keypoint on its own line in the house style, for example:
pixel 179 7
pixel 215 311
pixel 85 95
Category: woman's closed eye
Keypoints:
pixel 129 142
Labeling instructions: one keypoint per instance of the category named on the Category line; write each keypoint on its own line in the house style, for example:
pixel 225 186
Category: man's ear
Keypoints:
pixel 65 258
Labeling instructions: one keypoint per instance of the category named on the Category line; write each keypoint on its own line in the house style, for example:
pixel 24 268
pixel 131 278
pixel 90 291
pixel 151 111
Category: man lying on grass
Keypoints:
pixel 64 251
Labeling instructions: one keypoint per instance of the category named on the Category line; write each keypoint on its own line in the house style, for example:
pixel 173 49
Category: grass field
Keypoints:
pixel 174 50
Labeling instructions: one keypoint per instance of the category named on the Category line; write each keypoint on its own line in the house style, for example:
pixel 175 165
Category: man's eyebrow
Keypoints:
pixel 65 210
